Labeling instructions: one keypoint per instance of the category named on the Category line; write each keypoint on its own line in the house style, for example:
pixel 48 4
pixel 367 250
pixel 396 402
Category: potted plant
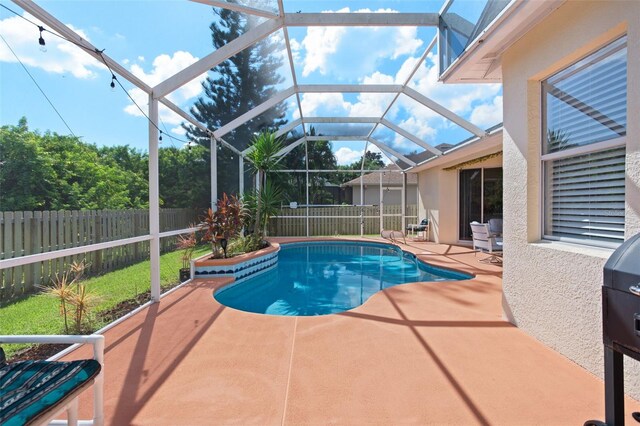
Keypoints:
pixel 188 245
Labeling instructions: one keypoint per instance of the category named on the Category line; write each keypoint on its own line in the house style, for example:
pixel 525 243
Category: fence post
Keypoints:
pixel 136 226
pixel 18 277
pixel 37 245
pixel 8 252
pixel 28 249
pixel 98 239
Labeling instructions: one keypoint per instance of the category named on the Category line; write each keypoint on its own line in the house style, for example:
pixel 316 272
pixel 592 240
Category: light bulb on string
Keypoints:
pixel 160 138
pixel 113 83
pixel 43 45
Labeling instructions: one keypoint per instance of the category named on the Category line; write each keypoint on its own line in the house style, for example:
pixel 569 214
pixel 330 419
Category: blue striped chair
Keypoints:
pixel 36 392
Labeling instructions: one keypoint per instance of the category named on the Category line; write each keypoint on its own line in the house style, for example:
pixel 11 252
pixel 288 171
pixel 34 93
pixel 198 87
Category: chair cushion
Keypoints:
pixel 29 389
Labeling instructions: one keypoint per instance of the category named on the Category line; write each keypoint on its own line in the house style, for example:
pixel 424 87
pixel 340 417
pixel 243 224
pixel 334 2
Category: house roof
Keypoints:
pixel 466 150
pixel 392 178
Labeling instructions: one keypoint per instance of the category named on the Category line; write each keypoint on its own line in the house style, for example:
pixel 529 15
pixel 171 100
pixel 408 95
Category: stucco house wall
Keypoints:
pixel 552 290
pixel 439 190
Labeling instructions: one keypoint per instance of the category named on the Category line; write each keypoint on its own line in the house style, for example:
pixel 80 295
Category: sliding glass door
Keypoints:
pixel 480 197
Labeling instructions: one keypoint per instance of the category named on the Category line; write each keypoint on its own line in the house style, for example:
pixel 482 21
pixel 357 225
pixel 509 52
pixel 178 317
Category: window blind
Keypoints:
pixel 587 196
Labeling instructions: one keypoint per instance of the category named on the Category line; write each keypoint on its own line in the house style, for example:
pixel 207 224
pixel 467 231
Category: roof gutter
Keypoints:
pixel 449 155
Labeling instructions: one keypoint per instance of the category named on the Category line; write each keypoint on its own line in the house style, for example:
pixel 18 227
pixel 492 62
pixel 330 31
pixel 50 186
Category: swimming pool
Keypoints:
pixel 326 277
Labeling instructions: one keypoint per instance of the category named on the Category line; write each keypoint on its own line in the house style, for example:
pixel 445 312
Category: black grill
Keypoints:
pixel 620 324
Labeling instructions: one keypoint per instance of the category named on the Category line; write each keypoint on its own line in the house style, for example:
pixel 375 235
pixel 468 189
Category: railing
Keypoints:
pixel 338 220
pixel 28 233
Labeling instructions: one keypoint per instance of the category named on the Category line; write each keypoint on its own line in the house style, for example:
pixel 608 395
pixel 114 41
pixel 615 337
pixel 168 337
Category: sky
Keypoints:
pixel 156 39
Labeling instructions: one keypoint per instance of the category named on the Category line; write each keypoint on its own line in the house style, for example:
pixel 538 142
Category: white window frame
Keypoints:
pixel 571 152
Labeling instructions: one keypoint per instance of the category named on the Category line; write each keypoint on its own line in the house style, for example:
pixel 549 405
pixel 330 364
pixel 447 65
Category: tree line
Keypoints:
pixel 59 172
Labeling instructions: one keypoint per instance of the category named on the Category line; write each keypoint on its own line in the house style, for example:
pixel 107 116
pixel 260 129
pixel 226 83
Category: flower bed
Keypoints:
pixel 238 267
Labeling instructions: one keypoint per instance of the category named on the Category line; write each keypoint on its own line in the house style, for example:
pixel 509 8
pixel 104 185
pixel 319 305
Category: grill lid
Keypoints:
pixel 622 270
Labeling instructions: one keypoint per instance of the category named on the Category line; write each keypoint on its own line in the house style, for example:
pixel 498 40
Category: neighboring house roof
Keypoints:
pixel 450 151
pixel 388 179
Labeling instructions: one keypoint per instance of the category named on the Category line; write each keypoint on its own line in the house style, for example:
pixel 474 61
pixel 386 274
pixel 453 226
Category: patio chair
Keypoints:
pixel 393 236
pixel 485 241
pixel 495 226
pixel 423 226
pixel 36 392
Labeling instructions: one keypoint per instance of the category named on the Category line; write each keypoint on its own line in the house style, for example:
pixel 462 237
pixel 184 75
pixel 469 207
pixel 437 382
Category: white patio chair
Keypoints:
pixel 485 241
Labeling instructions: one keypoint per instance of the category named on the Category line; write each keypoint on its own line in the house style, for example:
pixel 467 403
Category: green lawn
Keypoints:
pixel 39 314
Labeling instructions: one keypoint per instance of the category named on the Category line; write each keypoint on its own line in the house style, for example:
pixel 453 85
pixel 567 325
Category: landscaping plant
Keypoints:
pixel 263 157
pixel 75 299
pixel 225 223
pixel 187 243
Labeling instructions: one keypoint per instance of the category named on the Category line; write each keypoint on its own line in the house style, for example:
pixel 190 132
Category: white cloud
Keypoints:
pixel 323 104
pixel 61 56
pixel 165 66
pixel 346 155
pixel 319 44
pixel 489 114
pixel 352 51
pixel 179 130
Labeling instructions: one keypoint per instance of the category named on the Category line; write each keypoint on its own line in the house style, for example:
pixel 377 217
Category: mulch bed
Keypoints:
pixel 36 352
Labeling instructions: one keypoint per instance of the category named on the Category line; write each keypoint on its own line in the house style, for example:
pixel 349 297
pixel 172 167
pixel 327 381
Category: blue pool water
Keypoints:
pixel 319 278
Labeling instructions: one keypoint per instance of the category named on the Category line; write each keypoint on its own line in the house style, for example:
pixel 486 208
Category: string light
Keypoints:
pixel 43 46
pixel 114 80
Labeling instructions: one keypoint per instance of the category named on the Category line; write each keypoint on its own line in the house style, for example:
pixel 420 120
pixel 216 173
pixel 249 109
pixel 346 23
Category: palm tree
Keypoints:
pixel 262 157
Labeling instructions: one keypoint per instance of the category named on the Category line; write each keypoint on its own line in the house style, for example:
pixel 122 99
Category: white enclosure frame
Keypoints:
pixel 274 22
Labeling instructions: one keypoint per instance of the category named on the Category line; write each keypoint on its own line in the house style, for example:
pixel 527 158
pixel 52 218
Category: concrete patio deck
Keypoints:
pixel 422 353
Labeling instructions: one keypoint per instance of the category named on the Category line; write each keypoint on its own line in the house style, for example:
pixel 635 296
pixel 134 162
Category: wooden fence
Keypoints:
pixel 338 220
pixel 24 233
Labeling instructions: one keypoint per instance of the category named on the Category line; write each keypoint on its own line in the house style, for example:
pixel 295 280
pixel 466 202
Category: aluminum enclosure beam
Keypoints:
pixel 238 8
pixel 154 200
pixel 182 113
pixel 230 147
pixel 239 121
pixel 337 138
pixel 449 115
pixel 287 128
pixel 361 19
pixel 211 60
pixel 287 42
pixel 349 88
pixel 385 148
pixel 347 120
pixel 413 138
pixel 284 151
